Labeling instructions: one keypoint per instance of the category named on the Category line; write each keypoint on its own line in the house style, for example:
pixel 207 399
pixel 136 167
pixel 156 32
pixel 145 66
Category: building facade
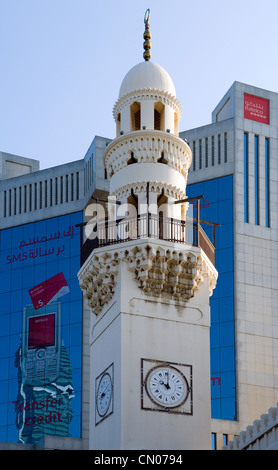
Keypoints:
pixel 44 330
pixel 235 168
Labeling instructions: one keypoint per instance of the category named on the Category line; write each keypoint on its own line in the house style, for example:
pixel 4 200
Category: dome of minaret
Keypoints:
pixel 147 97
pixel 147 75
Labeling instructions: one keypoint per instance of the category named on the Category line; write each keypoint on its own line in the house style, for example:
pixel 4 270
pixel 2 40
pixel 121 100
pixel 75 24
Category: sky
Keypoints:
pixel 62 63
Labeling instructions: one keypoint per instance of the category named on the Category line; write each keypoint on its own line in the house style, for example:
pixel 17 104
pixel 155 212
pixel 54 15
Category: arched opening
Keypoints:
pixel 132 159
pixel 132 219
pixel 176 124
pixel 118 123
pixel 159 120
pixel 135 116
pixel 162 159
pixel 133 200
pixel 162 201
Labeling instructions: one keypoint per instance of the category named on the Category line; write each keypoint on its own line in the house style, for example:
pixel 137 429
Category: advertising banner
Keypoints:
pixel 256 108
pixel 41 330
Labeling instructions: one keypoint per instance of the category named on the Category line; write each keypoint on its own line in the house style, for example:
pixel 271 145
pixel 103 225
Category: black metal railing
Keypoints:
pixel 107 232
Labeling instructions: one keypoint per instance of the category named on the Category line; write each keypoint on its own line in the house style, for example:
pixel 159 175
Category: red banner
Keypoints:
pixel 49 290
pixel 256 109
pixel 41 331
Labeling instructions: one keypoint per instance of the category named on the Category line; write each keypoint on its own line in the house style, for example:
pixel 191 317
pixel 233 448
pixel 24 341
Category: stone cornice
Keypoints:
pixel 147 146
pixel 161 271
pixel 155 187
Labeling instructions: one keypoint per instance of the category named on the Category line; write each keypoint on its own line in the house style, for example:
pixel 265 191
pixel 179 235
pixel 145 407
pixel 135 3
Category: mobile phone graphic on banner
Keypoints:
pixel 41 335
pixel 41 344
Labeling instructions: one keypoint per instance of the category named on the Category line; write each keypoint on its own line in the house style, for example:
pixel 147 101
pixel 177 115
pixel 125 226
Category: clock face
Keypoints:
pixel 104 394
pixel 167 386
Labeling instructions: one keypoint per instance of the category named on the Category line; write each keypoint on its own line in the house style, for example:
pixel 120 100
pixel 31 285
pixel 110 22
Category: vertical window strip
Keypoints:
pixel 206 154
pixel 246 214
pixel 40 194
pixel 91 170
pixel 72 187
pixel 51 192
pixel 14 201
pixel 77 185
pixel 212 151
pixel 61 190
pixel 56 191
pixel 35 198
pixel 25 198
pixel 5 203
pixel 225 147
pixel 256 177
pixel 10 202
pixel 67 188
pixel 213 441
pixel 219 149
pixel 30 197
pixel 45 193
pixel 20 199
pixel 200 154
pixel 194 155
pixel 267 213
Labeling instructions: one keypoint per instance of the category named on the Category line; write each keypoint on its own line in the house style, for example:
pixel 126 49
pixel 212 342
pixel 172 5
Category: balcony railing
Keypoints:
pixel 188 232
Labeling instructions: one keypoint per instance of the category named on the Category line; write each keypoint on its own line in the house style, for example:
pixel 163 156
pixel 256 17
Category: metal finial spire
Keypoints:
pixel 147 36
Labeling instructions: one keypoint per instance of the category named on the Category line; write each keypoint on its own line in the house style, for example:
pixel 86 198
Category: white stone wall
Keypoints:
pixel 256 269
pixel 135 324
pixel 261 435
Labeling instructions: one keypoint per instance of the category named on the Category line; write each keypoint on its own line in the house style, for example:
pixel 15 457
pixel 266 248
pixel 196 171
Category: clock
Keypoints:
pixel 166 386
pixel 104 394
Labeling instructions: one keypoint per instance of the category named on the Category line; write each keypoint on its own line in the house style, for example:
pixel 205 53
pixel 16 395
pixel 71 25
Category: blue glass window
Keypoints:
pixel 267 220
pixel 256 177
pixel 246 214
pixel 217 206
pixel 213 441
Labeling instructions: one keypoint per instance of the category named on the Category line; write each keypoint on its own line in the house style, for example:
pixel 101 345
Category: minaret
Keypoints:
pixel 148 281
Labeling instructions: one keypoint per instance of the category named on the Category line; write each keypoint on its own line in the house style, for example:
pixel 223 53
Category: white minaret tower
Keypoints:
pixel 148 281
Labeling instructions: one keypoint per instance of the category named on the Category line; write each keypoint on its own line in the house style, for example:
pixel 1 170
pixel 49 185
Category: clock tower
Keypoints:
pixel 147 280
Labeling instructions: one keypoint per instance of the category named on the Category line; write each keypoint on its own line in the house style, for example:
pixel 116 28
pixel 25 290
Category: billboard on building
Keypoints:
pixel 256 108
pixel 41 330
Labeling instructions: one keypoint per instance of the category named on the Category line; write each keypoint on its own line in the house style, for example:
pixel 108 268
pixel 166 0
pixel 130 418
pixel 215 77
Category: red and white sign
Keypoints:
pixel 41 331
pixel 256 109
pixel 49 290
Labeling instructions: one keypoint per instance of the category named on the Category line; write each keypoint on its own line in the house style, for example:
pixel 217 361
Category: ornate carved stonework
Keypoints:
pixel 150 94
pixel 159 272
pixel 98 280
pixel 147 147
pixel 155 187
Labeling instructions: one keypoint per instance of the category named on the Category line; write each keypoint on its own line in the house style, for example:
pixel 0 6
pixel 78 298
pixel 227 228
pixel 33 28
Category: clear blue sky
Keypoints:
pixel 62 63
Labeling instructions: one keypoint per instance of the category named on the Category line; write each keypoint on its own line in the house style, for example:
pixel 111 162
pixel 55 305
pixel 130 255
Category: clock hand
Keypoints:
pixel 104 392
pixel 166 384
